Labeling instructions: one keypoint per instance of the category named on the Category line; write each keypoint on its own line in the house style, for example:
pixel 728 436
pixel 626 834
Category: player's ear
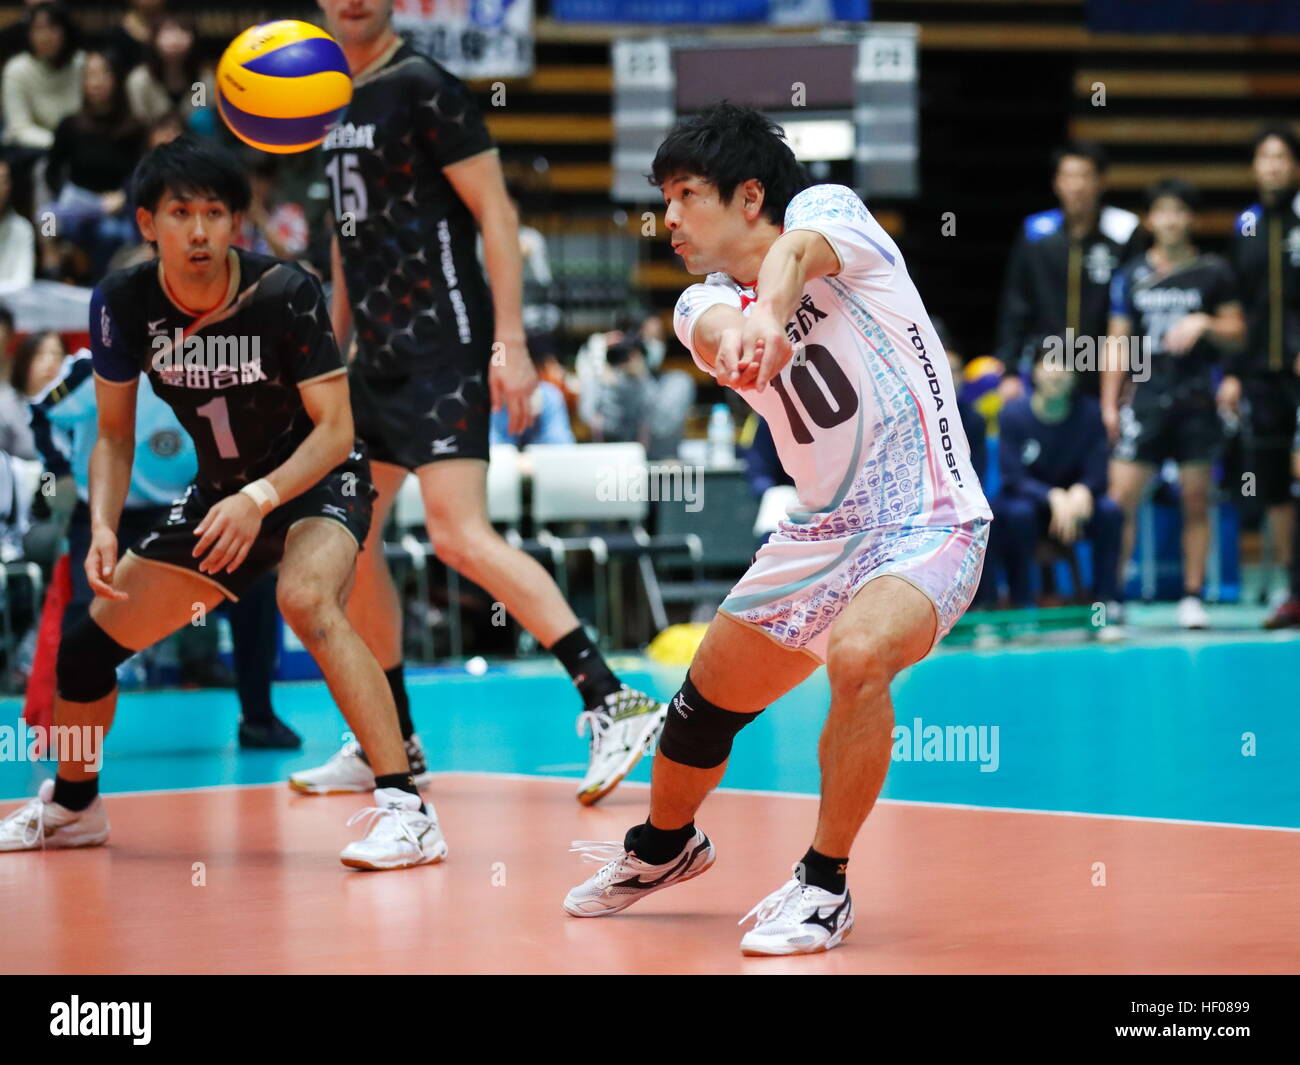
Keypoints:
pixel 144 219
pixel 752 196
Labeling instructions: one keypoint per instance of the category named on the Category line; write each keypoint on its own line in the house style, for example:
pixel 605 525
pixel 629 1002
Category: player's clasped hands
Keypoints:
pixel 226 533
pixel 752 356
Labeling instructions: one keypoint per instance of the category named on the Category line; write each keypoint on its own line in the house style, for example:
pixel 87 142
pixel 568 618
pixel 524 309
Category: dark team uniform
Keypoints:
pixel 1056 283
pixel 1172 413
pixel 1265 252
pixel 233 384
pixel 420 303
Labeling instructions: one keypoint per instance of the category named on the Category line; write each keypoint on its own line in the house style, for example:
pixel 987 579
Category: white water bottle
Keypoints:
pixel 722 437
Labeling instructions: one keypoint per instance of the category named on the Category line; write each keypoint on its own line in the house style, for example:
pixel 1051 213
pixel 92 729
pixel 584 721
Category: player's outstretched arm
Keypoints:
pixel 796 258
pixel 110 479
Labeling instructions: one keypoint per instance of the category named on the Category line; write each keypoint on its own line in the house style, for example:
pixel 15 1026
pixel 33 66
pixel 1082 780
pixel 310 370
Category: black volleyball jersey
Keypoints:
pixel 1152 302
pixel 408 241
pixel 232 375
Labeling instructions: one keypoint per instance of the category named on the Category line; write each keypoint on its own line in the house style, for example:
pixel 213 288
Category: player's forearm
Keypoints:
pixel 709 329
pixel 110 480
pixel 505 268
pixel 325 447
pixel 781 279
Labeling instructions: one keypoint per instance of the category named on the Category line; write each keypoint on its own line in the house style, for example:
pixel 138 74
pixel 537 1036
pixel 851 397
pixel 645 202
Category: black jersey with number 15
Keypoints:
pixel 231 375
pixel 417 291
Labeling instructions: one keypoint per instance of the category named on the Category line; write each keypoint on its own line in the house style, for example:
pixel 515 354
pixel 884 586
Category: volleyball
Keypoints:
pixel 282 85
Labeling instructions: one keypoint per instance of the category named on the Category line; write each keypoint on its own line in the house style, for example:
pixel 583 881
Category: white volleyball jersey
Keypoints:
pixel 865 417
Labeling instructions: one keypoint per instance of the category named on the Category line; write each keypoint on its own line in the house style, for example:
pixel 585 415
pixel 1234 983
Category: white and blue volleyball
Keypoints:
pixel 282 85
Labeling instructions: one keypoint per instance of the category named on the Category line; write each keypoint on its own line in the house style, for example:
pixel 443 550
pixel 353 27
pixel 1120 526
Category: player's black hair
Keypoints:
pixel 60 16
pixel 727 145
pixel 6 321
pixel 190 166
pixel 1177 188
pixel 1089 150
pixel 1286 134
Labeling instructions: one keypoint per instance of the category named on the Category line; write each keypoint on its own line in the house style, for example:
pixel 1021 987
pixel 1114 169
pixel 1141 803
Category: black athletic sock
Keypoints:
pixel 397 684
pixel 401 781
pixel 591 676
pixel 657 845
pixel 75 794
pixel 823 872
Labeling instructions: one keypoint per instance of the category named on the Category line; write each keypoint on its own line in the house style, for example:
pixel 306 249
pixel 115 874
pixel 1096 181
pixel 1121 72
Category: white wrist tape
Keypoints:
pixel 263 493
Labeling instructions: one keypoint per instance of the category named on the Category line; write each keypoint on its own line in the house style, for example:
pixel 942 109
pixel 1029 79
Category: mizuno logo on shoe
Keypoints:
pixel 686 861
pixel 832 920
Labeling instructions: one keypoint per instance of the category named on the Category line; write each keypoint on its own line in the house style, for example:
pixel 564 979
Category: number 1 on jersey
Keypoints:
pixel 218 414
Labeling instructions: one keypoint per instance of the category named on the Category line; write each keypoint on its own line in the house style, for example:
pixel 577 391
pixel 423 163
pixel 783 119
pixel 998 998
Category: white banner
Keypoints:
pixel 471 38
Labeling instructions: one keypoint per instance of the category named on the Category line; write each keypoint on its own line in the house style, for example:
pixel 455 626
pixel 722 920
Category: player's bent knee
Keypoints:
pixel 86 668
pixel 860 659
pixel 304 605
pixel 697 733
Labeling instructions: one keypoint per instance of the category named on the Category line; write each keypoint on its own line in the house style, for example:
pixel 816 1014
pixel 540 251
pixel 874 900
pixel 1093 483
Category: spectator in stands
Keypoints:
pixel 17 238
pixel 1264 381
pixel 1175 312
pixel 37 362
pixel 167 78
pixel 87 170
pixel 625 394
pixel 1052 460
pixel 633 389
pixel 130 38
pixel 15 511
pixel 15 430
pixel 42 85
pixel 1058 280
pixel 13 38
pixel 271 227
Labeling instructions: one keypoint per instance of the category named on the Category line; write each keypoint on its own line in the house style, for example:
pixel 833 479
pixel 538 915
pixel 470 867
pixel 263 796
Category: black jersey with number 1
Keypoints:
pixel 233 378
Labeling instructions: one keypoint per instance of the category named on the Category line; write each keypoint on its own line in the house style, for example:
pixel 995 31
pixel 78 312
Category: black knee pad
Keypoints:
pixel 697 733
pixel 86 669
